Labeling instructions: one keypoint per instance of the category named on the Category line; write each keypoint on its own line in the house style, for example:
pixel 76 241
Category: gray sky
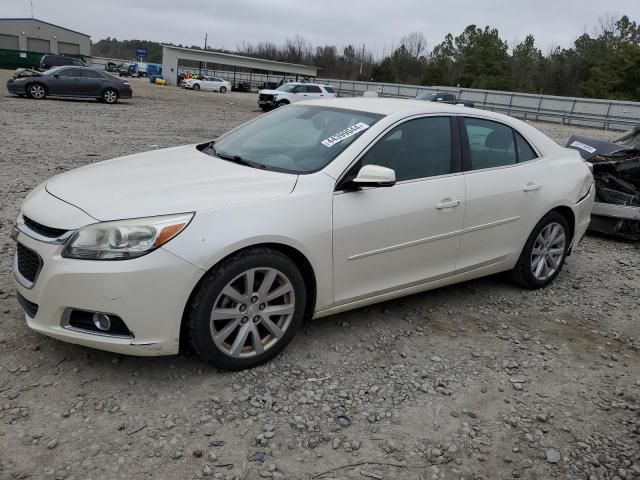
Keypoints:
pixel 377 23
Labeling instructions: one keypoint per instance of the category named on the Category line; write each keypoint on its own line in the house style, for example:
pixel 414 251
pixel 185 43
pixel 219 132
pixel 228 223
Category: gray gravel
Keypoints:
pixel 479 380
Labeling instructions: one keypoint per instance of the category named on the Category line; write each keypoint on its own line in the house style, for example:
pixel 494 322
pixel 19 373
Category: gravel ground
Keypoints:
pixel 478 380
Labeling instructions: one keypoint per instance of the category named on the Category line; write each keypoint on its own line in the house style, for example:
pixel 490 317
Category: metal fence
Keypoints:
pixel 607 114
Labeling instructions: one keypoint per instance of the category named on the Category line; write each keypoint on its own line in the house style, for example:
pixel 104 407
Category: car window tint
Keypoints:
pixel 491 144
pixel 313 89
pixel 70 72
pixel 92 74
pixel 525 152
pixel 329 89
pixel 300 89
pixel 418 148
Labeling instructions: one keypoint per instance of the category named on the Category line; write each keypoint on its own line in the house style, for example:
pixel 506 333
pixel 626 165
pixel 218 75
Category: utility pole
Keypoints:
pixel 205 41
pixel 361 59
pixel 31 10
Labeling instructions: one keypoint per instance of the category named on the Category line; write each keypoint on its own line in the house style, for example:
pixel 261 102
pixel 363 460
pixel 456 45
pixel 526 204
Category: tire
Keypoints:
pixel 265 109
pixel 196 86
pixel 223 89
pixel 281 103
pixel 534 267
pixel 264 336
pixel 37 91
pixel 110 96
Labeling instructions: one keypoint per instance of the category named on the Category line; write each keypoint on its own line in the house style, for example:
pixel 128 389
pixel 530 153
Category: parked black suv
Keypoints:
pixel 50 61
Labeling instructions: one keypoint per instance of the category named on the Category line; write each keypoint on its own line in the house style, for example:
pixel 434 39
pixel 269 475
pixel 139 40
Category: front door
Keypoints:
pixel 65 82
pixel 387 238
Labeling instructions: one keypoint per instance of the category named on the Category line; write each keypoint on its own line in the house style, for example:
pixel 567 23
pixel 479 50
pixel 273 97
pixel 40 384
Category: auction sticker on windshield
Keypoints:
pixel 346 133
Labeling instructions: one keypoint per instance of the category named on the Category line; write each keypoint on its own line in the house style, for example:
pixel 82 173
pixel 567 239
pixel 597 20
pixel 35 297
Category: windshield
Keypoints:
pixel 630 138
pixel 287 87
pixel 296 138
pixel 426 96
pixel 53 71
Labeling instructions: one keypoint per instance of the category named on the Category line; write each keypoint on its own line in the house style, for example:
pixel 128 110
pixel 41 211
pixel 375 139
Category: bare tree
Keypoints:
pixel 415 43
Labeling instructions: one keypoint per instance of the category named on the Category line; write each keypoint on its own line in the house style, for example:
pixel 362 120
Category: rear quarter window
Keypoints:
pixel 329 89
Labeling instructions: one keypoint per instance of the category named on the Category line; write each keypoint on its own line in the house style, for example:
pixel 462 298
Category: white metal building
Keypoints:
pixel 171 57
pixel 33 35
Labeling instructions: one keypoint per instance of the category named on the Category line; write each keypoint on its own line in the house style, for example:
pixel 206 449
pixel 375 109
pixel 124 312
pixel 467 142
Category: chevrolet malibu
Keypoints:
pixel 311 210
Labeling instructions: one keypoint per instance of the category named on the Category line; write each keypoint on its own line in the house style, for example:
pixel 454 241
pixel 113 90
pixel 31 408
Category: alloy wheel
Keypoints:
pixel 110 96
pixel 252 312
pixel 37 91
pixel 548 251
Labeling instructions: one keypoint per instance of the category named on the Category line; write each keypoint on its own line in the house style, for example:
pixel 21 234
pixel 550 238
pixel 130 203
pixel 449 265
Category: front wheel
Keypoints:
pixel 196 87
pixel 544 253
pixel 247 309
pixel 281 103
pixel 223 89
pixel 36 91
pixel 110 95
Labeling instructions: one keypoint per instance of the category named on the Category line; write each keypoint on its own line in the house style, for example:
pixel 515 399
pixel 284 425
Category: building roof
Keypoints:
pixel 48 23
pixel 251 62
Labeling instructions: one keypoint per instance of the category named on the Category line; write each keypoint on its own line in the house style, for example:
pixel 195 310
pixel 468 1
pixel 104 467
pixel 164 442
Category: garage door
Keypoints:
pixel 69 48
pixel 10 42
pixel 38 45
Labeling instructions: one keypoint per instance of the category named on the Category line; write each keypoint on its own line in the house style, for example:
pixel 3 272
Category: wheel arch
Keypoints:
pixel 34 82
pixel 299 258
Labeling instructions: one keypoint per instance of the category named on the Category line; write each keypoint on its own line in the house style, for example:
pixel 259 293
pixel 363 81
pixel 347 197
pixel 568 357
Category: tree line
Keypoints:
pixel 603 64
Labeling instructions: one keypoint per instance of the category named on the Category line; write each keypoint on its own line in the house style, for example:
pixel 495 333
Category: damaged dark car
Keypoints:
pixel 616 170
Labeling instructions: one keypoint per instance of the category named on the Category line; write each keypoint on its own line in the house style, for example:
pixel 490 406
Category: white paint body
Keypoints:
pixel 211 84
pixel 364 246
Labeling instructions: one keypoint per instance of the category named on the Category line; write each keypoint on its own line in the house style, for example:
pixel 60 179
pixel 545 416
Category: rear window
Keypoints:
pixel 329 89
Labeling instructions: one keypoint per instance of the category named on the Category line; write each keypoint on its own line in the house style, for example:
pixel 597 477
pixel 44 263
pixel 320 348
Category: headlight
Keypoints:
pixel 124 239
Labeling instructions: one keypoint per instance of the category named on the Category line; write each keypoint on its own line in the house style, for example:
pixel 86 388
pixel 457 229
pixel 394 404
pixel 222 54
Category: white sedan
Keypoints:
pixel 313 209
pixel 212 84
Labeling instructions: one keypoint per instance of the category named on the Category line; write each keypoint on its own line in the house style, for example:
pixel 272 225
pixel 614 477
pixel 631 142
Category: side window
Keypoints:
pixel 491 144
pixel 70 72
pixel 92 74
pixel 525 152
pixel 313 89
pixel 329 89
pixel 299 89
pixel 418 148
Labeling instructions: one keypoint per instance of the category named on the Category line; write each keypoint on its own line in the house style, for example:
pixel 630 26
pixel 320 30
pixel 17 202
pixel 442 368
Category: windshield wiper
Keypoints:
pixel 235 158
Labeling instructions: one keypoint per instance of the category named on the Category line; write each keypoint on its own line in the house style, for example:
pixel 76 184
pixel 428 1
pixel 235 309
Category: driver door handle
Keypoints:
pixel 531 187
pixel 447 203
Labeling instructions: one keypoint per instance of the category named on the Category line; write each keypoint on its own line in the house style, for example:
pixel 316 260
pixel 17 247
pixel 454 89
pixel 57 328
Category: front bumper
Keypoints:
pixel 148 293
pixel 16 88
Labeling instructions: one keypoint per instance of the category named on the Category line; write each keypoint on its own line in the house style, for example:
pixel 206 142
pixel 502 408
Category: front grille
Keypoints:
pixel 43 230
pixel 29 308
pixel 29 263
pixel 265 96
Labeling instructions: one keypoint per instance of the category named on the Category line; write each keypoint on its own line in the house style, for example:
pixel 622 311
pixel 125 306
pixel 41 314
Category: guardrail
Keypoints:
pixel 607 114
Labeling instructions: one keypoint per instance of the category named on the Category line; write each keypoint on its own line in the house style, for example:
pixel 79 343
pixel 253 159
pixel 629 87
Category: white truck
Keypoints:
pixel 293 92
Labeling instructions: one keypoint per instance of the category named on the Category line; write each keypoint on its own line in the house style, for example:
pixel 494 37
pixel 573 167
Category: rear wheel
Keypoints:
pixel 223 89
pixel 110 95
pixel 544 253
pixel 196 86
pixel 247 309
pixel 36 91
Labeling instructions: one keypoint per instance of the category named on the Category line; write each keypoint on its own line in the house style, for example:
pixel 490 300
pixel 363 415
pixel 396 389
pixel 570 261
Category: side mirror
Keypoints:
pixel 56 75
pixel 374 176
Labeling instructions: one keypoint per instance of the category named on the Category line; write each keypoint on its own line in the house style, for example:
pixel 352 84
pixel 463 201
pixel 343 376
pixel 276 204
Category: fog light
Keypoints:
pixel 102 321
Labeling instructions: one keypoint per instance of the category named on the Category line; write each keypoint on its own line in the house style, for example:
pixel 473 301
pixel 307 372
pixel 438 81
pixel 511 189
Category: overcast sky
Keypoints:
pixel 377 23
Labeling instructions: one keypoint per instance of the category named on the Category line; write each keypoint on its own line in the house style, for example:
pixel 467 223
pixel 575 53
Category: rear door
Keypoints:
pixel 92 83
pixel 504 180
pixel 314 91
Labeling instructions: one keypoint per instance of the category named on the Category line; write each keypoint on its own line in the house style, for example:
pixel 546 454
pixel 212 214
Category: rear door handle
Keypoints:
pixel 447 203
pixel 531 187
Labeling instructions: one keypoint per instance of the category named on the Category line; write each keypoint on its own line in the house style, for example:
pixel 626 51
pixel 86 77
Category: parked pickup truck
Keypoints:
pixel 444 97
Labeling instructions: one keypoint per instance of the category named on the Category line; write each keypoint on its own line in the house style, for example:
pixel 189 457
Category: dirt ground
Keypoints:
pixel 479 380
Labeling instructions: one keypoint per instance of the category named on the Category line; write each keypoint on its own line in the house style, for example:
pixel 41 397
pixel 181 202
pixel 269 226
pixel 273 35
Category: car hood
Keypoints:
pixel 159 182
pixel 272 92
